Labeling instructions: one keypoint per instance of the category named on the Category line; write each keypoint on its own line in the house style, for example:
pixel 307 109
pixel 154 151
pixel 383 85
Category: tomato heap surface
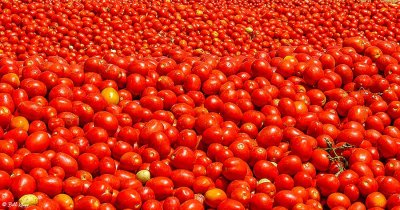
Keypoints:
pixel 191 105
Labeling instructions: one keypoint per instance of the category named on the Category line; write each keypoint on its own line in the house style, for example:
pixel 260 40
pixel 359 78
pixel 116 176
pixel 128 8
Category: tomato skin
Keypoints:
pixel 23 184
pixel 367 185
pixel 5 180
pixel 162 186
pixel 128 198
pixel 69 164
pixel 389 185
pixel 302 148
pixel 393 200
pixel 87 202
pixel 182 178
pixel 320 159
pixel 260 201
pixel 7 196
pixel 387 146
pixel 283 182
pixel 191 204
pixel 338 200
pixel 327 183
pixel 73 186
pixel 38 141
pixel 269 136
pixel 234 168
pixel 171 203
pixel 35 160
pixel 265 169
pixel 7 163
pixel 214 197
pixel 230 204
pixel 50 185
pixel 183 158
pixel 287 199
pixel 290 165
pixel 101 190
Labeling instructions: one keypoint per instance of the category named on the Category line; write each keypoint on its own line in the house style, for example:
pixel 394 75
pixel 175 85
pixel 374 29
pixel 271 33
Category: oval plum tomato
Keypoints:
pixel 265 169
pixel 290 165
pixel 287 199
pixel 87 202
pixel 38 141
pixel 327 183
pixel 214 197
pixel 22 185
pixel 269 136
pixel 64 201
pixel 128 198
pixel 7 163
pixel 338 200
pixel 162 186
pixel 183 158
pixel 376 199
pixel 50 185
pixel 234 168
pixel 191 204
pixel 230 204
pixel 65 161
pixel 107 121
pixel 7 196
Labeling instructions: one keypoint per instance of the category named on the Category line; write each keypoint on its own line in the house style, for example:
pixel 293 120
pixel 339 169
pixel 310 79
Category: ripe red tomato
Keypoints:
pixel 162 186
pixel 22 184
pixel 290 165
pixel 234 169
pixel 327 183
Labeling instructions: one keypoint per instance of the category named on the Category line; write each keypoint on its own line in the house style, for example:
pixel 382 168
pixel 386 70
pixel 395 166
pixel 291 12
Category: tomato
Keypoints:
pixel 360 155
pixel 367 185
pixel 106 120
pixel 214 197
pixel 191 204
pixel 327 183
pixel 171 203
pixel 389 185
pixel 287 199
pixel 50 185
pixel 387 146
pixel 23 184
pixel 183 158
pixel 269 136
pixel 35 160
pixel 7 196
pixel 64 201
pixel 130 161
pixel 234 168
pixel 290 165
pixel 265 169
pixel 162 186
pixel 6 163
pixel 284 182
pixel 66 162
pixel 230 204
pixel 338 200
pixel 375 199
pixel 87 202
pixel 393 200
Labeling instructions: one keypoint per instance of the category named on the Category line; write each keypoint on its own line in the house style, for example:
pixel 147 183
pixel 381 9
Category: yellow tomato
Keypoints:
pixel 19 122
pixel 111 95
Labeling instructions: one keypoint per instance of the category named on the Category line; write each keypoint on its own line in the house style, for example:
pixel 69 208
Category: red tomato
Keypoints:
pixel 22 184
pixel 162 186
pixel 287 199
pixel 234 168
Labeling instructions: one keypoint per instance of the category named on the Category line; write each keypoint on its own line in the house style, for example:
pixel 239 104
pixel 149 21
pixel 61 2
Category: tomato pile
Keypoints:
pixel 191 105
